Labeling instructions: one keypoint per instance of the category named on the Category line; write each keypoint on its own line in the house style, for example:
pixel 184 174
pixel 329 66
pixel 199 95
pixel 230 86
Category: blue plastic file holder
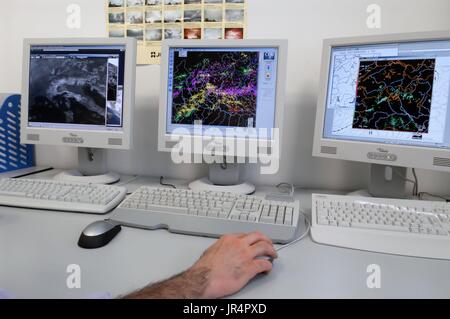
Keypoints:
pixel 13 155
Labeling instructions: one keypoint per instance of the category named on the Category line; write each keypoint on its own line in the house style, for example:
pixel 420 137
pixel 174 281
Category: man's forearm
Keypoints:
pixel 190 284
pixel 223 270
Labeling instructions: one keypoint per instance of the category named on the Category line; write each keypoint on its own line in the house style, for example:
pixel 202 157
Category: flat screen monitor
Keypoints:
pixel 385 100
pixel 78 92
pixel 232 89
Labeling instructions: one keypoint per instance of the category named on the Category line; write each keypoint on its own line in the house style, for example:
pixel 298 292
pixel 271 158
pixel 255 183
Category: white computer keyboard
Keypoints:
pixel 61 196
pixel 208 213
pixel 404 227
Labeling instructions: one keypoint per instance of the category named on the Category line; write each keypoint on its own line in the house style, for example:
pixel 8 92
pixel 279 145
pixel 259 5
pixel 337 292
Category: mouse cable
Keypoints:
pixel 414 182
pixel 308 228
pixel 161 181
pixel 289 189
pixel 422 194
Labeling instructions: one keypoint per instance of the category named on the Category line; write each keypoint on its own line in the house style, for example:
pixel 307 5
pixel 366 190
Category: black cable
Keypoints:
pixel 224 165
pixel 416 189
pixel 161 181
pixel 34 173
pixel 407 180
pixel 433 195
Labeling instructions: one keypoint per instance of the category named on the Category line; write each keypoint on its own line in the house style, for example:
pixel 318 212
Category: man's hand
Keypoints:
pixel 224 269
pixel 231 263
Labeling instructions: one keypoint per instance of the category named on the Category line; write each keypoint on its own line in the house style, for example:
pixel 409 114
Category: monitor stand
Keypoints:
pixel 223 178
pixel 92 168
pixel 386 182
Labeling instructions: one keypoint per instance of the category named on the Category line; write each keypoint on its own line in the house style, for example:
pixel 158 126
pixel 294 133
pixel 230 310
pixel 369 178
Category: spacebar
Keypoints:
pixel 15 194
pixel 167 209
pixel 381 227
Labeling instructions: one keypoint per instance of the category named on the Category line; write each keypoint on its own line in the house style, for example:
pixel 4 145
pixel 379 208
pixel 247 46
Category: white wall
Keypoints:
pixel 304 23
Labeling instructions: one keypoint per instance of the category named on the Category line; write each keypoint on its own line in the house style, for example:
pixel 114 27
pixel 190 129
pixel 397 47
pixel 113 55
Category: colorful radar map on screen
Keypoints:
pixel 393 93
pixel 222 87
pixel 216 88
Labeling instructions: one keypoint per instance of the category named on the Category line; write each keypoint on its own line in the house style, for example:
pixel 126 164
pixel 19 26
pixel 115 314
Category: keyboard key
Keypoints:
pixel 213 213
pixel 268 219
pixel 243 217
pixel 223 214
pixel 288 220
pixel 176 210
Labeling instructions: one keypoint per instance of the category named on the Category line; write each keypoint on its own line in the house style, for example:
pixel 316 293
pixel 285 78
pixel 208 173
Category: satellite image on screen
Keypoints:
pixel 395 95
pixel 68 90
pixel 113 81
pixel 216 88
pixel 114 109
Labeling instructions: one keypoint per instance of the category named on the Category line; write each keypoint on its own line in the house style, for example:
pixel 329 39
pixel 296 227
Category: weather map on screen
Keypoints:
pixel 76 86
pixel 394 95
pixel 217 88
pixel 221 88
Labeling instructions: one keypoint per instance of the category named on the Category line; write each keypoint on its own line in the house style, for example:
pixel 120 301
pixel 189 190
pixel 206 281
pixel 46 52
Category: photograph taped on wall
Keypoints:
pixel 152 21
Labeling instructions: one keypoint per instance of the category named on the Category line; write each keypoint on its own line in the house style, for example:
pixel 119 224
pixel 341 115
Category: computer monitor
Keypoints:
pixel 80 92
pixel 222 96
pixel 385 100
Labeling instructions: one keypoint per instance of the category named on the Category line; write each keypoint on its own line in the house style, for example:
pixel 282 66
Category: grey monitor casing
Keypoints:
pixel 165 141
pixel 82 138
pixel 374 153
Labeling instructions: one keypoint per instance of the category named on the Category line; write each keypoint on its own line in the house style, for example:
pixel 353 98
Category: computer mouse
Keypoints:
pixel 98 234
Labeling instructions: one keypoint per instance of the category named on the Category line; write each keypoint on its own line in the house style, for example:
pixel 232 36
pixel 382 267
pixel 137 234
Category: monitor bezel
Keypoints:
pixel 165 140
pixel 360 151
pixel 82 137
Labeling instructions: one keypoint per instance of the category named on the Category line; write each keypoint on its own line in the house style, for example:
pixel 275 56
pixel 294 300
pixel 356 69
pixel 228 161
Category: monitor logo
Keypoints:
pixel 73 139
pixel 213 146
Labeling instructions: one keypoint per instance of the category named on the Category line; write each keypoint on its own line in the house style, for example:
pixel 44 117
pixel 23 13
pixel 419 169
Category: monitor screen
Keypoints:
pixel 228 89
pixel 396 93
pixel 76 87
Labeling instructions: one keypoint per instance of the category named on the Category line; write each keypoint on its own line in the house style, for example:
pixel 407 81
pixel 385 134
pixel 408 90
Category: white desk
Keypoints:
pixel 37 246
